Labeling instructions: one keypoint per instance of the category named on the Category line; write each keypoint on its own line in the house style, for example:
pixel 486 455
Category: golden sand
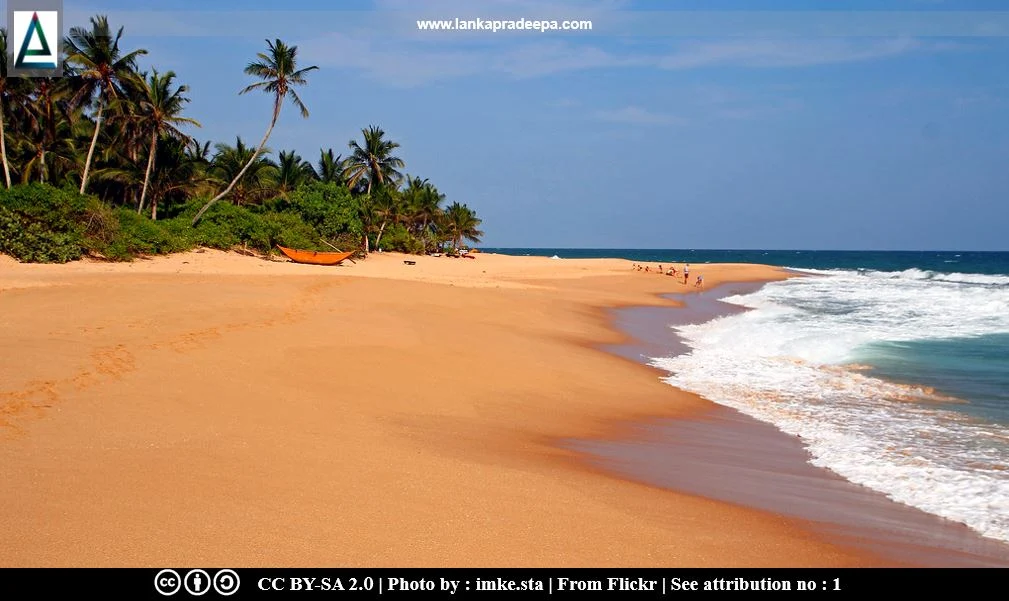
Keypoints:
pixel 209 408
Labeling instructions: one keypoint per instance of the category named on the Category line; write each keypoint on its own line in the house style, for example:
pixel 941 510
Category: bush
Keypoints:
pixel 397 238
pixel 40 223
pixel 288 230
pixel 327 207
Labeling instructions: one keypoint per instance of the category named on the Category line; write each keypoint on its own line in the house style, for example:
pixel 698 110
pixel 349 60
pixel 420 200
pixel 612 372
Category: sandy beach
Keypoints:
pixel 210 408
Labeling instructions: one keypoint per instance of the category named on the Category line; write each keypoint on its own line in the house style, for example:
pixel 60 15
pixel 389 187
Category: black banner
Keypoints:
pixel 453 583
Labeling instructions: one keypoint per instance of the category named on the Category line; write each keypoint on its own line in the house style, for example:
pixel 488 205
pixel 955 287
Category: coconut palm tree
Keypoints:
pixel 6 89
pixel 460 222
pixel 292 171
pixel 330 167
pixel 254 173
pixel 160 107
pixel 198 151
pixel 386 209
pixel 178 174
pixel 101 70
pixel 278 68
pixel 374 160
pixel 48 141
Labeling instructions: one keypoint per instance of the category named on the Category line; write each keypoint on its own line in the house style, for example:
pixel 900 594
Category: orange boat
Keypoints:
pixel 314 257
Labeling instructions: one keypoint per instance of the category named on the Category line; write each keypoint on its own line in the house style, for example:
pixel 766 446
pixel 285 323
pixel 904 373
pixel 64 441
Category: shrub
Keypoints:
pixel 397 238
pixel 328 207
pixel 287 230
pixel 40 223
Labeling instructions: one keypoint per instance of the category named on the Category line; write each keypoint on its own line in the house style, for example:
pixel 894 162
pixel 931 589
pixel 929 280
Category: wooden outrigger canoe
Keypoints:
pixel 314 257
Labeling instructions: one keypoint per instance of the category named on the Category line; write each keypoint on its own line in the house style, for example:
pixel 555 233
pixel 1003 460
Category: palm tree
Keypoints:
pixel 460 223
pixel 292 171
pixel 49 130
pixel 330 167
pixel 424 202
pixel 178 175
pixel 199 154
pixel 278 69
pixel 5 90
pixel 101 70
pixel 197 151
pixel 385 209
pixel 255 174
pixel 160 109
pixel 374 160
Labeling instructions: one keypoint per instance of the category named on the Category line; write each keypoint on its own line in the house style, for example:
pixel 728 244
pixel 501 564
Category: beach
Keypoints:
pixel 210 408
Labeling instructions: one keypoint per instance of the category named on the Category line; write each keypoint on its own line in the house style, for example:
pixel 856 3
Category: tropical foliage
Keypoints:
pixel 103 161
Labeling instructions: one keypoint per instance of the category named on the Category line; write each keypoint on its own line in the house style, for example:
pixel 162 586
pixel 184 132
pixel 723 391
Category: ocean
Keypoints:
pixel 892 367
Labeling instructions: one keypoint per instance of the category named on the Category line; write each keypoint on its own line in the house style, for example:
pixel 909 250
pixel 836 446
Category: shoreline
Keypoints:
pixel 162 376
pixel 726 455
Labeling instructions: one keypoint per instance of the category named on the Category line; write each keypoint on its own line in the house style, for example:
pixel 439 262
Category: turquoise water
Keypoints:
pixel 892 367
pixel 975 369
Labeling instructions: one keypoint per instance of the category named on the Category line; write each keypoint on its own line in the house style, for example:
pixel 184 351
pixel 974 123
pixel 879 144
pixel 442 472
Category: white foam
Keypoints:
pixel 782 363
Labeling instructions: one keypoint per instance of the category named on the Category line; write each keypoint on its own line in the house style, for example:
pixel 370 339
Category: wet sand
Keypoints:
pixel 726 455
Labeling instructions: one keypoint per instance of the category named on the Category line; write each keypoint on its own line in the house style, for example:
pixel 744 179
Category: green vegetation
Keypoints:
pixel 98 163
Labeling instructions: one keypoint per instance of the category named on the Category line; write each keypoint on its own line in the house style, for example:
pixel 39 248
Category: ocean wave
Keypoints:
pixel 915 274
pixel 785 361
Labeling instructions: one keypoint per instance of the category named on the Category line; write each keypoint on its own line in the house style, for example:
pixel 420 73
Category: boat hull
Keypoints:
pixel 314 257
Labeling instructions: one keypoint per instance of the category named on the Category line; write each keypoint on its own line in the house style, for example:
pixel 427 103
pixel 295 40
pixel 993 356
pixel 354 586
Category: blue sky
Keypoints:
pixel 640 134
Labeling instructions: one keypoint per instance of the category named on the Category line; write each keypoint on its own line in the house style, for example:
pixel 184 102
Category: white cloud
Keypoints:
pixel 402 65
pixel 635 115
pixel 785 53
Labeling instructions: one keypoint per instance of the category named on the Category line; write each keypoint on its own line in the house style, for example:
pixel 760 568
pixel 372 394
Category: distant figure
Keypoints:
pixel 670 271
pixel 686 273
pixel 660 267
pixel 646 267
pixel 699 282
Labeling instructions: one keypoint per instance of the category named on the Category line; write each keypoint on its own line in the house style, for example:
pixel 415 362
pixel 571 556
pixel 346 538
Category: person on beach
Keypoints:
pixel 699 282
pixel 686 273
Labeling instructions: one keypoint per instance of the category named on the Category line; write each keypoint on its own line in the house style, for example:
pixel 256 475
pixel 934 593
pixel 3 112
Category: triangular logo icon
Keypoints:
pixel 34 29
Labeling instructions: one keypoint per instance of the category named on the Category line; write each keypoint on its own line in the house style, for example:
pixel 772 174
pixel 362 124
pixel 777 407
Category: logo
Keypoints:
pixel 226 582
pixel 167 582
pixel 35 50
pixel 197 582
pixel 34 38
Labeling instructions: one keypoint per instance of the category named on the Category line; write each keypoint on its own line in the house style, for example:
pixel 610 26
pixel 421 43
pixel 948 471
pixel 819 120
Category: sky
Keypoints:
pixel 875 125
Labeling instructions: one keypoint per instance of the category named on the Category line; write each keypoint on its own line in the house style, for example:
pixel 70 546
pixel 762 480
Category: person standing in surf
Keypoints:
pixel 686 273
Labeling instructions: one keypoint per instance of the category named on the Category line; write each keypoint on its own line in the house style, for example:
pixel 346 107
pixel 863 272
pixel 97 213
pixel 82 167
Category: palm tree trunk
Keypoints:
pixel 3 148
pixel 42 166
pixel 378 240
pixel 147 176
pixel 262 144
pixel 94 142
pixel 367 248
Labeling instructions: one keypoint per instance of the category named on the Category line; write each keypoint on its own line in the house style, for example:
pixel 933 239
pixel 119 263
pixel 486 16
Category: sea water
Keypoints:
pixel 893 368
